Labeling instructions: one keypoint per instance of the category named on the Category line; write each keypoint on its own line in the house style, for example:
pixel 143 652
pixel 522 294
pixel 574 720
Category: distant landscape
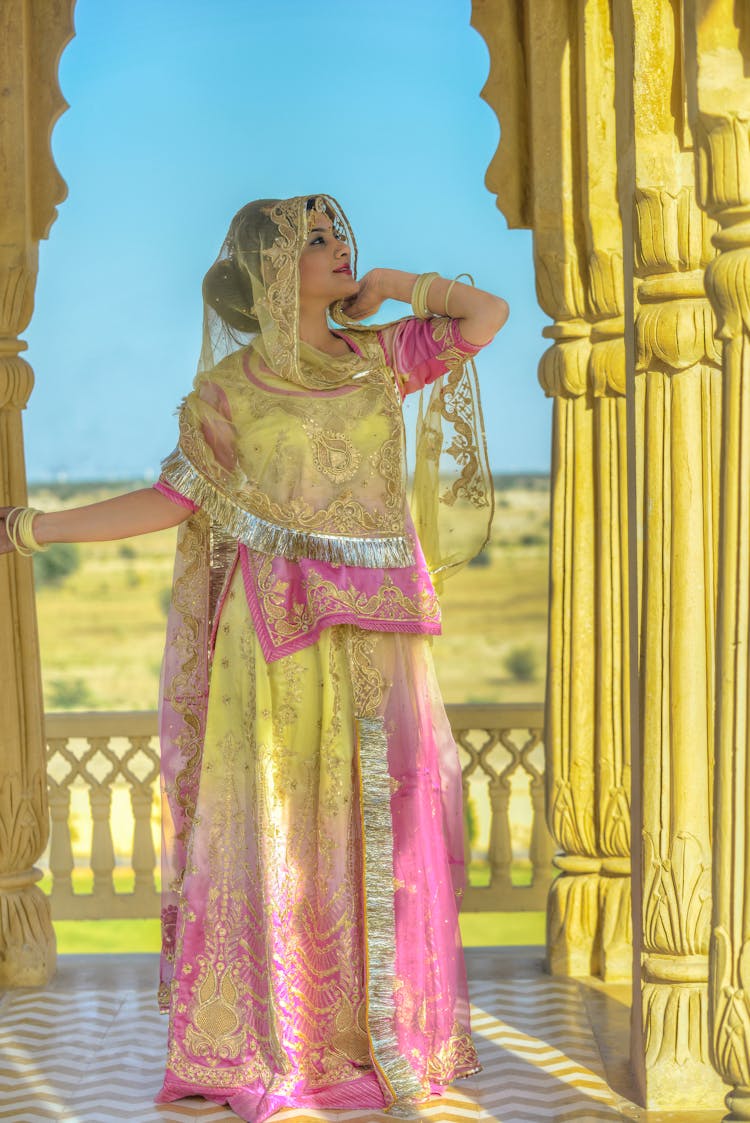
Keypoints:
pixel 102 608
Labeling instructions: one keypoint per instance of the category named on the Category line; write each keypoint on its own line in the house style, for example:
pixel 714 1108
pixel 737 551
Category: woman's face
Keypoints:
pixel 324 270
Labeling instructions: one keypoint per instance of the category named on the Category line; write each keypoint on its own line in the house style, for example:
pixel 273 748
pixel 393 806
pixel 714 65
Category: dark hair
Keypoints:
pixel 226 285
pixel 228 293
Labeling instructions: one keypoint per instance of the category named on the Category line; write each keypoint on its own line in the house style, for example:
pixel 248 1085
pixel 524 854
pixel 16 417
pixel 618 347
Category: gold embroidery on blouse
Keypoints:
pixel 333 454
pixel 358 445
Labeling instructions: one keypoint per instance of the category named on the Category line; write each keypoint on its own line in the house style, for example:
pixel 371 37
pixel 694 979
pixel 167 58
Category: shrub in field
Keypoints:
pixel 52 566
pixel 520 663
pixel 66 694
pixel 165 599
pixel 127 551
pixel 482 558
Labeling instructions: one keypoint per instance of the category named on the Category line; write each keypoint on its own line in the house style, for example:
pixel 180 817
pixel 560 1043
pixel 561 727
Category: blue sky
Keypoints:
pixel 182 111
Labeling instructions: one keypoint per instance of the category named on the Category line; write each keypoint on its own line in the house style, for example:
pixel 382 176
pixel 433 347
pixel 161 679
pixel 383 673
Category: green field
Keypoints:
pixel 482 929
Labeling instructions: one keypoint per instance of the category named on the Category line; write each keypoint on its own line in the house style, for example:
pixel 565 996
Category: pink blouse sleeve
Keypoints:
pixel 419 351
pixel 165 488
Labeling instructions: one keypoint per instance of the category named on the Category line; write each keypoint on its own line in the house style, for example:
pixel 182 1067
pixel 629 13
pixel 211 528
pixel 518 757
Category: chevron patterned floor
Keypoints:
pixel 89 1049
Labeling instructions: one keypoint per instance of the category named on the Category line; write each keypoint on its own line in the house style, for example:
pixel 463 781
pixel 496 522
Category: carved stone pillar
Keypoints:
pixel 554 70
pixel 675 393
pixel 602 232
pixel 551 84
pixel 717 67
pixel 31 40
pixel 678 428
pixel 573 902
pixel 726 152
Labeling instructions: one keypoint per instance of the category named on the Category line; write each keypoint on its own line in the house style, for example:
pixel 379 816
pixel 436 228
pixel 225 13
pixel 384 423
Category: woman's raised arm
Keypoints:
pixel 480 314
pixel 124 516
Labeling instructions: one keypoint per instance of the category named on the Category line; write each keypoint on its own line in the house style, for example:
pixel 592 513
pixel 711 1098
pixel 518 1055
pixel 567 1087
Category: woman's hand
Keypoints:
pixel 6 546
pixel 368 298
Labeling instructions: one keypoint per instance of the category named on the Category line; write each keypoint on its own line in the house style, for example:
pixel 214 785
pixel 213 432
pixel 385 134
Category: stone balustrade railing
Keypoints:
pixel 103 773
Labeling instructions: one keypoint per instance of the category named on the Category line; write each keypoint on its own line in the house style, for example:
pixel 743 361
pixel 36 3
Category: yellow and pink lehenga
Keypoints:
pixel 312 828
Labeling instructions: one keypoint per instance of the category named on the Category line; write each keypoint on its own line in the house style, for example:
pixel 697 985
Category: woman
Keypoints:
pixel 312 822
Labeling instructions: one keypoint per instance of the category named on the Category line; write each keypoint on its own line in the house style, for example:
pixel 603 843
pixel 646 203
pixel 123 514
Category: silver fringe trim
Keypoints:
pixel 269 538
pixel 396 1076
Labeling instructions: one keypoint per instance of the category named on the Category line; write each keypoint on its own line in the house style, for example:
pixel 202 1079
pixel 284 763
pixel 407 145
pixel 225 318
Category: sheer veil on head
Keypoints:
pixel 251 292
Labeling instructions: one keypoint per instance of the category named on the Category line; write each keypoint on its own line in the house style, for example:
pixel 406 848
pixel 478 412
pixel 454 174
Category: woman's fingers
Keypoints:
pixel 367 301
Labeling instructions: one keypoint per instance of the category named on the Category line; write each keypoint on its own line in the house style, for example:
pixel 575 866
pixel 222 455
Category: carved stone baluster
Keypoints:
pixel 501 852
pixel 144 855
pixel 100 801
pixel 31 40
pixel 462 741
pixel 61 863
pixel 541 845
pixel 141 801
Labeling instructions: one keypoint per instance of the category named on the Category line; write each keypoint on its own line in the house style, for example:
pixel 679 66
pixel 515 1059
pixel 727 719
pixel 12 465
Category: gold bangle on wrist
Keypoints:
pixel 21 532
pixel 419 295
pixel 11 526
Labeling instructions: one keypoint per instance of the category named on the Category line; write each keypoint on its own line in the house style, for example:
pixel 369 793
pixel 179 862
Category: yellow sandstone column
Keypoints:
pixel 32 37
pixel 602 232
pixel 676 402
pixel 551 84
pixel 570 727
pixel 718 61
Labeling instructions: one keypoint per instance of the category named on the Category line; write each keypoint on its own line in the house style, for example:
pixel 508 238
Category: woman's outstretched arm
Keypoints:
pixel 124 516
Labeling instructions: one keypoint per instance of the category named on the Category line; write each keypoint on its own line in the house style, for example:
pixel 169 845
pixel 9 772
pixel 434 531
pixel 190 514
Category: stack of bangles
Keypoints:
pixel 419 294
pixel 18 524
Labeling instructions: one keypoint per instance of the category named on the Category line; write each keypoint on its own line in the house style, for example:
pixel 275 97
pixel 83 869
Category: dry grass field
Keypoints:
pixel 102 627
